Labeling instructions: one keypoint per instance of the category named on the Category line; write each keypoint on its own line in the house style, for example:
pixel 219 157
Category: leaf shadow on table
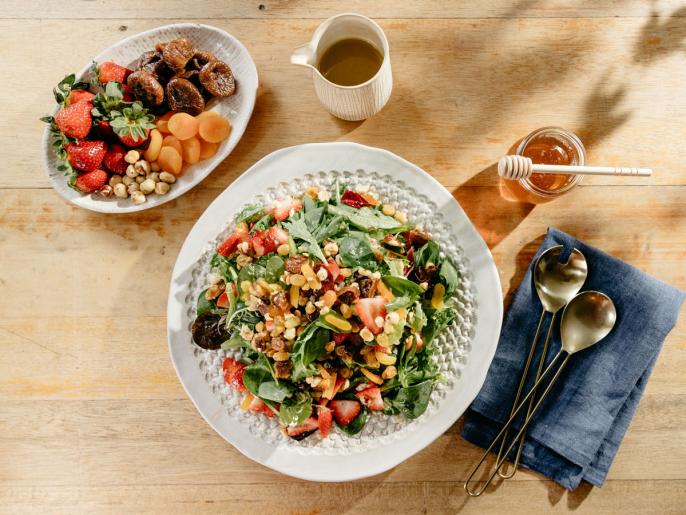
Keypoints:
pixel 661 36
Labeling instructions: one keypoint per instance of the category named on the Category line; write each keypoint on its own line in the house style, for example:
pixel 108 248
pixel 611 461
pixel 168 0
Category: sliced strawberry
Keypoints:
pixel 283 207
pixel 80 95
pixel 114 159
pixel 345 411
pixel 85 155
pixel 258 244
pixel 369 309
pixel 305 429
pixel 258 406
pixel 223 300
pixel 110 71
pixel 91 181
pixel 324 418
pixel 239 235
pixel 233 374
pixel 371 397
pixel 340 337
pixel 354 199
pixel 274 237
pixel 334 271
pixel 75 120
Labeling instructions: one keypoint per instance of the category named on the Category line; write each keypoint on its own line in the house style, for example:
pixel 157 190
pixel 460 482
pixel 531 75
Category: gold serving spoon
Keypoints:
pixel 556 284
pixel 587 319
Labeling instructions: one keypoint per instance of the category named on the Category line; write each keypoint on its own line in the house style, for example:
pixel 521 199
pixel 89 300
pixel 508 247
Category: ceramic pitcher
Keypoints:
pixel 348 102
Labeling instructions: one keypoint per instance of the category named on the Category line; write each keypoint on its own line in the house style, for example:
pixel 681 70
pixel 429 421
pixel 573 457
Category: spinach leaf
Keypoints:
pixel 355 250
pixel 357 424
pixel 365 217
pixel 428 253
pixel 224 267
pixel 204 306
pixel 298 230
pixel 273 391
pixel 257 373
pixel 438 320
pixel 235 342
pixel 249 213
pixel 308 347
pixel 449 277
pixel 396 267
pixel 274 269
pixel 250 273
pixel 296 410
pixel 402 287
pixel 400 302
pixel 412 401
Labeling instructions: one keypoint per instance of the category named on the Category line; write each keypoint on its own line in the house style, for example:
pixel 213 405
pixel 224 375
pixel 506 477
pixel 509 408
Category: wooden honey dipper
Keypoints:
pixel 516 167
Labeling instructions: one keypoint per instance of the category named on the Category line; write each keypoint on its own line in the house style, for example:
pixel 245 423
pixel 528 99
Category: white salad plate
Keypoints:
pixel 464 350
pixel 237 108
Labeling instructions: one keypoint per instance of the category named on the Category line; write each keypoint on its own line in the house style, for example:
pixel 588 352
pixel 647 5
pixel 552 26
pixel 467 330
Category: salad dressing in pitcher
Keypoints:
pixel 350 62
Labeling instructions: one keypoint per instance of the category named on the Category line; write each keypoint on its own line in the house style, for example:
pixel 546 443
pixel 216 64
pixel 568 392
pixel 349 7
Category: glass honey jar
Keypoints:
pixel 554 146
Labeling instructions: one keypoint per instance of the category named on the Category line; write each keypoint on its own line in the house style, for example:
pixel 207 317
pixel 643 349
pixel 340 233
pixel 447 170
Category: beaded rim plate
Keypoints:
pixel 237 108
pixel 465 350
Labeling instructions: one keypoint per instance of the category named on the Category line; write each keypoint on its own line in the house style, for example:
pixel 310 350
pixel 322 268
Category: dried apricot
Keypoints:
pixel 162 122
pixel 207 149
pixel 173 142
pixel 170 160
pixel 191 150
pixel 154 146
pixel 206 114
pixel 183 126
pixel 214 129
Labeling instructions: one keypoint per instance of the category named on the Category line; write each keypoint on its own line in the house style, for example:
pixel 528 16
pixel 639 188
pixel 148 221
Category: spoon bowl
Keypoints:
pixel 586 320
pixel 556 282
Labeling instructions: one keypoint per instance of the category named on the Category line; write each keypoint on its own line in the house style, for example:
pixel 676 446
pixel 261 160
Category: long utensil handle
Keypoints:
pixel 539 370
pixel 476 493
pixel 522 381
pixel 592 170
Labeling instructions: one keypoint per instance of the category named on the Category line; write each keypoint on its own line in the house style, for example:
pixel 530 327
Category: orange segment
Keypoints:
pixel 154 146
pixel 207 149
pixel 170 160
pixel 214 129
pixel 172 141
pixel 191 150
pixel 183 126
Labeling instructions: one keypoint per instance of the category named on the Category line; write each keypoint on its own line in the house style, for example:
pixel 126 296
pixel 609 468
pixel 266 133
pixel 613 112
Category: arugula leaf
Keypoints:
pixel 298 230
pixel 225 268
pixel 312 213
pixel 274 269
pixel 249 213
pixel 262 224
pixel 439 320
pixel 428 253
pixel 418 318
pixel 412 401
pixel 449 277
pixel 204 306
pixel 336 225
pixel 355 250
pixel 396 267
pixel 365 218
pixel 296 410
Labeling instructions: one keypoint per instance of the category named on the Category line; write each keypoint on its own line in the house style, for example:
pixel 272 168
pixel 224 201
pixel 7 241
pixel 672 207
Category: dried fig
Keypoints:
pixel 147 58
pixel 146 88
pixel 177 53
pixel 183 96
pixel 217 78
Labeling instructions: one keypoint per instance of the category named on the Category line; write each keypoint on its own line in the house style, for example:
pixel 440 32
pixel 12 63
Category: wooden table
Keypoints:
pixel 92 416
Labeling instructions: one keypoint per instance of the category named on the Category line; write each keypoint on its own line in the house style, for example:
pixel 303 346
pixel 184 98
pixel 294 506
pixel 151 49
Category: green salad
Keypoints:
pixel 334 301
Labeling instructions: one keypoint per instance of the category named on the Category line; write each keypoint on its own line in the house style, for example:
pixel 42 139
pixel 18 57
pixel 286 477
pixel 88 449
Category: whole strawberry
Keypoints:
pixel 91 181
pixel 86 155
pixel 110 71
pixel 75 120
pixel 80 95
pixel 114 159
pixel 132 124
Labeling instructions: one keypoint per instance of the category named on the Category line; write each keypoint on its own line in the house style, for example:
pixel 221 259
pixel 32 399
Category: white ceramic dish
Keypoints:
pixel 466 349
pixel 237 108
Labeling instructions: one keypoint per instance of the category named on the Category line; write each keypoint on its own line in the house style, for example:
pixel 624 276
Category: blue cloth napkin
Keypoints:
pixel 577 431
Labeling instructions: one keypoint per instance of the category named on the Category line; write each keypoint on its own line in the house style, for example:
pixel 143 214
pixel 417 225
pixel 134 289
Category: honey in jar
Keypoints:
pixel 553 146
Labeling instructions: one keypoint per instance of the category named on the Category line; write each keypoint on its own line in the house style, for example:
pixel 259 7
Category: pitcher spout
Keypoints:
pixel 304 55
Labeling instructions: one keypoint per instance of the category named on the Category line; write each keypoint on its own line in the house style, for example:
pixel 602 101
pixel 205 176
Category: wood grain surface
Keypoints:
pixel 92 416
